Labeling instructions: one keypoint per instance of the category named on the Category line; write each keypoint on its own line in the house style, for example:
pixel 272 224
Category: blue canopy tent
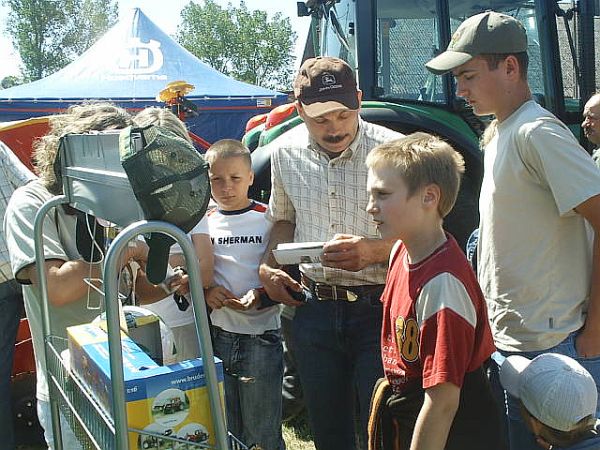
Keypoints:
pixel 130 65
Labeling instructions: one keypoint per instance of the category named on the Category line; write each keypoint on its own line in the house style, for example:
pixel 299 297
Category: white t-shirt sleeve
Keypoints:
pixel 16 173
pixel 18 229
pixel 200 228
pixel 445 291
pixel 556 160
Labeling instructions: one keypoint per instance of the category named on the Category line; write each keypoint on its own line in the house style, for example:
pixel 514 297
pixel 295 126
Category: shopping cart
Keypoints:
pixel 93 425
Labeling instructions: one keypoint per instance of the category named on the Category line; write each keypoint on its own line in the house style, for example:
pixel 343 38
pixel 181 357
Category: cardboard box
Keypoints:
pixel 168 400
pixel 298 253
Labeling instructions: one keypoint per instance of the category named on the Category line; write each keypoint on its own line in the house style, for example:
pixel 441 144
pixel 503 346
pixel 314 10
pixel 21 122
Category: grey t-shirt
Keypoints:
pixel 596 156
pixel 13 174
pixel 59 243
pixel 535 251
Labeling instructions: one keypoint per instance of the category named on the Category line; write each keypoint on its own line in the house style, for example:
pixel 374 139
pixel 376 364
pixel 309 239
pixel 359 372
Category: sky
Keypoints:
pixel 165 14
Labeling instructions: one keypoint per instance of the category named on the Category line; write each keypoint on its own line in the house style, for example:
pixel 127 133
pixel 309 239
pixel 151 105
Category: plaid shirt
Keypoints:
pixel 324 196
pixel 13 174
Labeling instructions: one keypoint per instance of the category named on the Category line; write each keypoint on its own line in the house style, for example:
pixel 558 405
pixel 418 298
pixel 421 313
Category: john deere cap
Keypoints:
pixel 486 33
pixel 170 181
pixel 325 84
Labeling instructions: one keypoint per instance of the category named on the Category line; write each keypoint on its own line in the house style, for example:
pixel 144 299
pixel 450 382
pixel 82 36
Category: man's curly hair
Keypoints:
pixel 77 119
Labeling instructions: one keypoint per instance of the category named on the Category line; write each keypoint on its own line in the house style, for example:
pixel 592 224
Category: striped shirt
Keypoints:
pixel 13 174
pixel 324 196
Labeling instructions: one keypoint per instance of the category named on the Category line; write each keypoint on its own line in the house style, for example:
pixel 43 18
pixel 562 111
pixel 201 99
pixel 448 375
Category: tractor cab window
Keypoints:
pixel 410 33
pixel 338 38
pixel 407 37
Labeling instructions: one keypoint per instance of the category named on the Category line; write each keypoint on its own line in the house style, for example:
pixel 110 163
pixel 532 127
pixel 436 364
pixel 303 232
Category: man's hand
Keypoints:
pixel 217 296
pixel 276 283
pixel 587 343
pixel 349 252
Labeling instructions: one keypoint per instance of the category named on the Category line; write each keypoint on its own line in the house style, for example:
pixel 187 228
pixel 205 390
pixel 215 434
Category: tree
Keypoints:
pixel 10 81
pixel 241 43
pixel 49 34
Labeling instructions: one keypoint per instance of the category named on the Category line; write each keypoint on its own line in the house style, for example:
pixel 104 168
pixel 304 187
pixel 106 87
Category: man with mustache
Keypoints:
pixel 319 193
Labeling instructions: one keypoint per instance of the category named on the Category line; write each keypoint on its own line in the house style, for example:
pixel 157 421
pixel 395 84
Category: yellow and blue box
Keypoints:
pixel 165 400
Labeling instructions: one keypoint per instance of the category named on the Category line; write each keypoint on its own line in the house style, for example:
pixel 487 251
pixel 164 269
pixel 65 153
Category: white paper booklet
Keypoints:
pixel 298 253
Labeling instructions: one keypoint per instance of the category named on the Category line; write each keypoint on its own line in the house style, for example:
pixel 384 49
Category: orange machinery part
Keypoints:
pixel 19 136
pixel 24 361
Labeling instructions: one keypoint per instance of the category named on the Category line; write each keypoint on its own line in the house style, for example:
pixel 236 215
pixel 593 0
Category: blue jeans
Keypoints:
pixel 339 360
pixel 10 315
pixel 253 366
pixel 291 394
pixel 520 438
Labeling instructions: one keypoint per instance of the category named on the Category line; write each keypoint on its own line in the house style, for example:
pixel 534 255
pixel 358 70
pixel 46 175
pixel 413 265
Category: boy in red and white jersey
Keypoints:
pixel 435 332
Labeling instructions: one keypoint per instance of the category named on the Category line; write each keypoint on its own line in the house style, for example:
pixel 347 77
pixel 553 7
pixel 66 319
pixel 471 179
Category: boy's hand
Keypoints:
pixel 248 301
pixel 216 296
pixel 277 283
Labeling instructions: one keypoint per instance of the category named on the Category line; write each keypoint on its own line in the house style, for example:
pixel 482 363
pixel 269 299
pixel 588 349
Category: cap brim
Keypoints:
pixel 447 61
pixel 158 257
pixel 341 102
pixel 510 373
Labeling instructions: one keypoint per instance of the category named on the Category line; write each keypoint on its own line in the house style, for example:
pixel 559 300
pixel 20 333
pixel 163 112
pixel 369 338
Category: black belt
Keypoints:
pixel 324 291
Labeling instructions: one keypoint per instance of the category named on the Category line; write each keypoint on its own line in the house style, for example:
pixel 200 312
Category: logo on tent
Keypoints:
pixel 140 59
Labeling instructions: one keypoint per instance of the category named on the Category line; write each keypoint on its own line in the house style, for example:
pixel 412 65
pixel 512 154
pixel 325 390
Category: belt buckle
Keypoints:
pixel 348 295
pixel 341 294
pixel 351 296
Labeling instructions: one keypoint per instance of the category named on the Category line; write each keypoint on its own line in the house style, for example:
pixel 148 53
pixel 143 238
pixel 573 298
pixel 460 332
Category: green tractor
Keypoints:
pixel 389 41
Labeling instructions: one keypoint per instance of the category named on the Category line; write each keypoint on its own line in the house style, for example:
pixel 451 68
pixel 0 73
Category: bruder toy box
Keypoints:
pixel 166 400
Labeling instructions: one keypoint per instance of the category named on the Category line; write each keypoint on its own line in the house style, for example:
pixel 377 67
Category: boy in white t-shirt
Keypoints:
pixel 246 333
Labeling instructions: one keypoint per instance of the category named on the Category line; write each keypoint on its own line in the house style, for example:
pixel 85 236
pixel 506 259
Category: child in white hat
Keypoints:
pixel 558 400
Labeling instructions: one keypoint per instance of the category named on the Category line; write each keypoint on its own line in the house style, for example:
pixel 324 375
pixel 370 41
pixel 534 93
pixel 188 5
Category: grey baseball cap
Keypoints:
pixel 486 33
pixel 554 388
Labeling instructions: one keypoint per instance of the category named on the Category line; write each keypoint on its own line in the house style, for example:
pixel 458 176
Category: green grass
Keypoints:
pixel 296 434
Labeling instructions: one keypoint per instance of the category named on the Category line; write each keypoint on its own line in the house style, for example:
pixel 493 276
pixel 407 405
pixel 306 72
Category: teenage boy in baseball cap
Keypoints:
pixel 535 263
pixel 558 399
